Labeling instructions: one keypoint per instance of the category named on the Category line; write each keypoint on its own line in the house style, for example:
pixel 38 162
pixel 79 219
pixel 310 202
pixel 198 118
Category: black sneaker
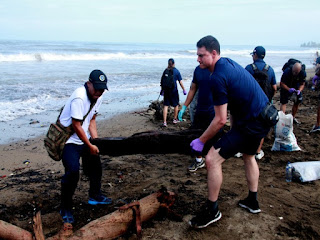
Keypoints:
pixel 252 206
pixel 196 165
pixel 204 218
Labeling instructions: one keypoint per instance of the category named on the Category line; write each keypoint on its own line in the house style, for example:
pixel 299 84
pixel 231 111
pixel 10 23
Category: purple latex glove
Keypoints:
pixel 292 90
pixel 298 92
pixel 161 92
pixel 184 92
pixel 197 145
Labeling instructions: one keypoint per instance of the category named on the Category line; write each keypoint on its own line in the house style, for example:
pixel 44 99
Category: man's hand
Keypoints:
pixel 184 92
pixel 181 112
pixel 196 145
pixel 292 90
pixel 94 150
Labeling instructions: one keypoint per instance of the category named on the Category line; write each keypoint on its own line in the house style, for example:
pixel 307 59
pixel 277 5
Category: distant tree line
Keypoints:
pixel 310 44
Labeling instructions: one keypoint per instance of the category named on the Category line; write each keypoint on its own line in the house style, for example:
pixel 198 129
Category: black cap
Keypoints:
pixel 98 79
pixel 171 59
pixel 260 51
pixel 318 60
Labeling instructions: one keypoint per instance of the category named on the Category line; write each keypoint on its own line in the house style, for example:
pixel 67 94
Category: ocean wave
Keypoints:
pixel 86 57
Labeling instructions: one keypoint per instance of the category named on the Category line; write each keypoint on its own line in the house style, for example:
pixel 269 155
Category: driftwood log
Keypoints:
pixel 110 226
pixel 153 142
pixel 12 232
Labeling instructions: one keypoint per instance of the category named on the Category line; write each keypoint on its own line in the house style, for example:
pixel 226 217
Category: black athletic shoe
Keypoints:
pixel 205 217
pixel 252 206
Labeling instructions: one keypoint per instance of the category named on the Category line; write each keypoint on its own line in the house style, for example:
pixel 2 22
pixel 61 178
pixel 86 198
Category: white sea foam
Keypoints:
pixel 86 57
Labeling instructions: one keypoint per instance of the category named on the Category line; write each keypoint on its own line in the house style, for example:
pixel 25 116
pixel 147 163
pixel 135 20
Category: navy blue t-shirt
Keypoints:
pixel 260 65
pixel 232 84
pixel 293 81
pixel 201 77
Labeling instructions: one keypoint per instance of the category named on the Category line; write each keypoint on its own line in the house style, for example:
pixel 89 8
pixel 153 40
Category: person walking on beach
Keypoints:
pixel 292 83
pixel 169 90
pixel 204 108
pixel 315 86
pixel 257 69
pixel 233 88
pixel 84 103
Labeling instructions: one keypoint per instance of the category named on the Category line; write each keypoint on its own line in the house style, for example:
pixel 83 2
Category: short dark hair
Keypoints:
pixel 210 43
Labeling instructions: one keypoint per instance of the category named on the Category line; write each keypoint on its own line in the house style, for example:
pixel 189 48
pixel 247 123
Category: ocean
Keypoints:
pixel 37 77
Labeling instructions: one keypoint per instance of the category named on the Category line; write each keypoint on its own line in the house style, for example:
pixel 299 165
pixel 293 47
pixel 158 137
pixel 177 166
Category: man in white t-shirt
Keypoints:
pixel 80 111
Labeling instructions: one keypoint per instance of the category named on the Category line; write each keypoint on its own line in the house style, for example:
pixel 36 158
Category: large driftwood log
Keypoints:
pixel 107 227
pixel 153 142
pixel 11 232
pixel 117 223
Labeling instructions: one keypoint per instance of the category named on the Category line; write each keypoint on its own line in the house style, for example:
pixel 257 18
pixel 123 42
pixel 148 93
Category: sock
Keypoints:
pixel 198 159
pixel 213 205
pixel 252 195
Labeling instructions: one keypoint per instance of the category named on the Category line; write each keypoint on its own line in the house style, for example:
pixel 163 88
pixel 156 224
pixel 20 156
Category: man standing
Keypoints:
pixel 260 67
pixel 292 82
pixel 169 90
pixel 80 111
pixel 204 109
pixel 235 89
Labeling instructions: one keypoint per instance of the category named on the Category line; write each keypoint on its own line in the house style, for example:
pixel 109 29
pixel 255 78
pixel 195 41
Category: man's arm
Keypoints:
pixel 93 127
pixel 217 123
pixel 77 126
pixel 284 86
pixel 190 96
pixel 181 85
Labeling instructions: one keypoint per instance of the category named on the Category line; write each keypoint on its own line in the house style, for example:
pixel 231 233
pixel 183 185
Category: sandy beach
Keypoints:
pixel 28 177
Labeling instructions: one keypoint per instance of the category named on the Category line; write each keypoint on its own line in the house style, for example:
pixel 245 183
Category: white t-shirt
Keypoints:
pixel 77 107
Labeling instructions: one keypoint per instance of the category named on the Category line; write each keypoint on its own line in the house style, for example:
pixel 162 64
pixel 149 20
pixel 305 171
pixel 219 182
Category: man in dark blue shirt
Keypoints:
pixel 292 82
pixel 258 55
pixel 235 89
pixel 204 109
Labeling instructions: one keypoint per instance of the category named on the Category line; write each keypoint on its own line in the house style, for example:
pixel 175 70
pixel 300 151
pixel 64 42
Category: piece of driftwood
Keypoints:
pixel 12 232
pixel 153 142
pixel 117 223
pixel 37 227
pixel 110 226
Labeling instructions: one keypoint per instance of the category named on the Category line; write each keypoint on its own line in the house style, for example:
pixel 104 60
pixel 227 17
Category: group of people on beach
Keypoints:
pixel 220 85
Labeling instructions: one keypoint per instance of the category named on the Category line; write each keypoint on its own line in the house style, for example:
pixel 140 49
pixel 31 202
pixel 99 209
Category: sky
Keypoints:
pixel 232 22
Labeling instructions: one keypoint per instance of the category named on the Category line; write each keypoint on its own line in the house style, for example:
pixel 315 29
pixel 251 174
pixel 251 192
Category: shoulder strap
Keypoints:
pixel 266 68
pixel 254 67
pixel 91 106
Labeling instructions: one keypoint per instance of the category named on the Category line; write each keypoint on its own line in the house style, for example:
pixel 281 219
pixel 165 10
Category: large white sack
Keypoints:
pixel 284 137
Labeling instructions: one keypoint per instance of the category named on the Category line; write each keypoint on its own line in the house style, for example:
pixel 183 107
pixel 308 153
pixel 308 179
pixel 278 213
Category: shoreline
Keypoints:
pixel 31 178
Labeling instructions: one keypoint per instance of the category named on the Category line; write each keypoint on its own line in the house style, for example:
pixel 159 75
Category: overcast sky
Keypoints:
pixel 234 22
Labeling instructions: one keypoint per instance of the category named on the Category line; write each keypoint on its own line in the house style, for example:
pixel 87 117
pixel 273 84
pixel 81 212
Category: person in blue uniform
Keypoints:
pixel 204 108
pixel 171 96
pixel 258 55
pixel 233 88
pixel 292 82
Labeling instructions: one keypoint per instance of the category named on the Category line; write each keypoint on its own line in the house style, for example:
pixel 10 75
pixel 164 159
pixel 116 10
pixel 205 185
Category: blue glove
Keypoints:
pixel 161 92
pixel 292 90
pixel 298 92
pixel 184 92
pixel 181 112
pixel 196 145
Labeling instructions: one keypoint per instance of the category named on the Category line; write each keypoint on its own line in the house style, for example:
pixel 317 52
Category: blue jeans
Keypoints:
pixel 71 162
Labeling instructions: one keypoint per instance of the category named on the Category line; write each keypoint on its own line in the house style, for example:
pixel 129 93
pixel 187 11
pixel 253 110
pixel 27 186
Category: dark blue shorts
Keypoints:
pixel 245 140
pixel 171 98
pixel 285 96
